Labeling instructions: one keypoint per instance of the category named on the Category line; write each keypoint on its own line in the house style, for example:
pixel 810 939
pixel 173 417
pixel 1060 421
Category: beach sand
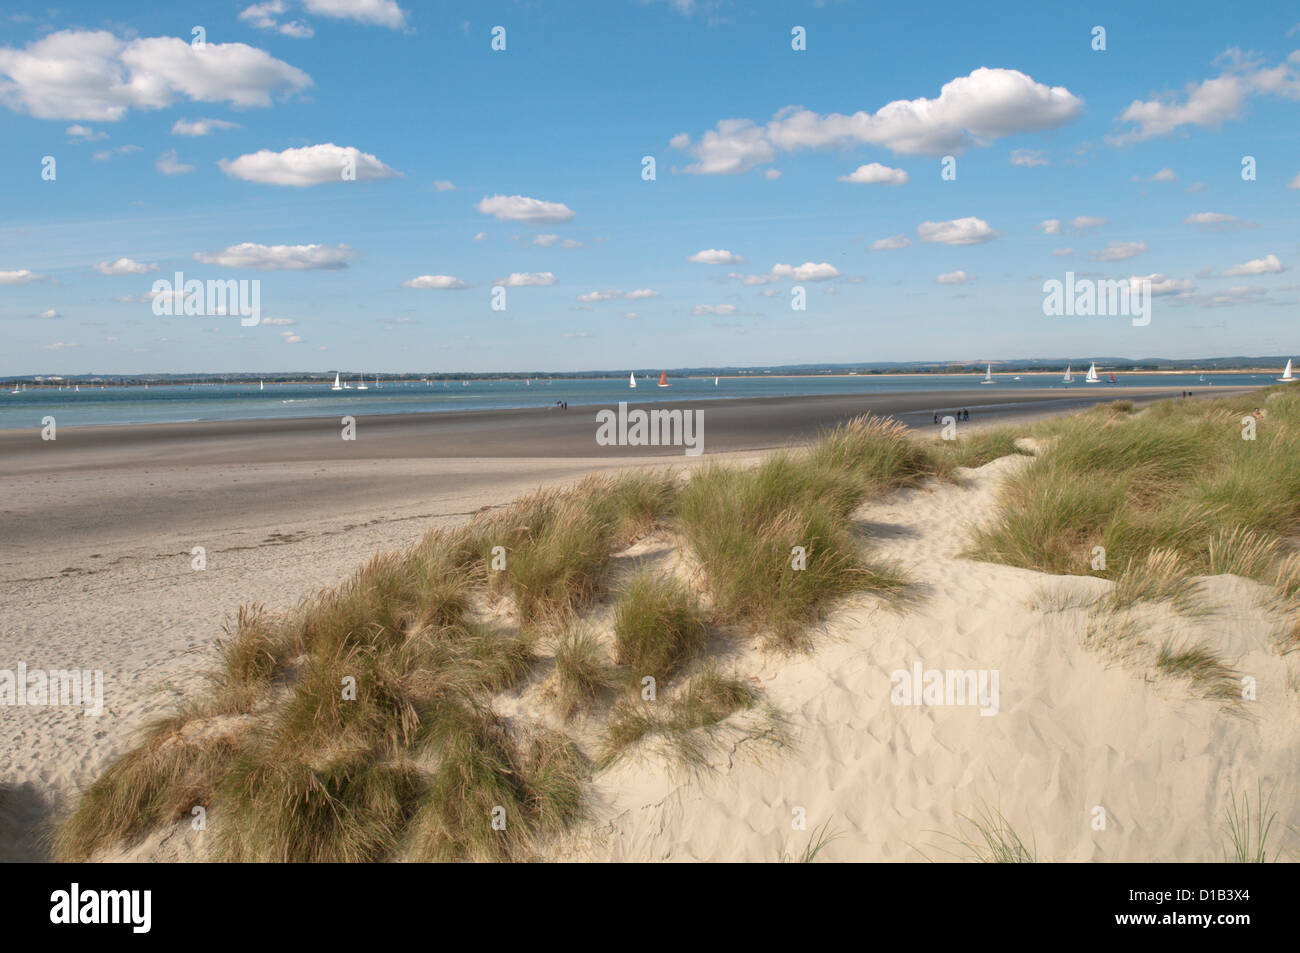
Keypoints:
pixel 95 573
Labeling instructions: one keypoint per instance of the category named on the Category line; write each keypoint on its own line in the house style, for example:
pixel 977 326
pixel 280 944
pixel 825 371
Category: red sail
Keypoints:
pixel 663 378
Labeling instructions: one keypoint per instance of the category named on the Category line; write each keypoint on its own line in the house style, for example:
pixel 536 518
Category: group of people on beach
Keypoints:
pixel 962 414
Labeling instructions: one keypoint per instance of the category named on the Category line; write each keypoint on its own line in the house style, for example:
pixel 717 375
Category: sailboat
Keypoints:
pixel 1112 379
pixel 1286 377
pixel 261 385
pixel 361 383
pixel 715 382
pixel 631 380
pixel 1092 377
pixel 663 379
pixel 337 385
pixel 1068 378
pixel 988 376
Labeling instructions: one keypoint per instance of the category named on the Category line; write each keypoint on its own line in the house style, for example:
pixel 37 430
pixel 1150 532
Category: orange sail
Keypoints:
pixel 663 378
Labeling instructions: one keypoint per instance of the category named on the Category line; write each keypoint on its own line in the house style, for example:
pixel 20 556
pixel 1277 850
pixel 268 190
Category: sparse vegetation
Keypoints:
pixel 658 627
pixel 1249 830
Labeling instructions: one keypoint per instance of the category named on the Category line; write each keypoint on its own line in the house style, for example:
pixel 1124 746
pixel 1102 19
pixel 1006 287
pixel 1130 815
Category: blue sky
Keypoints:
pixel 475 165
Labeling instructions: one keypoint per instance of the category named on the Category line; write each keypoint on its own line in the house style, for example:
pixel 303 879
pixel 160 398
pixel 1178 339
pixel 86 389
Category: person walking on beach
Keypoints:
pixel 965 414
pixel 936 416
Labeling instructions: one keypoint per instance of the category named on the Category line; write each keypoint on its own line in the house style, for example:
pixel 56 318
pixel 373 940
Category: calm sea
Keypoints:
pixel 132 405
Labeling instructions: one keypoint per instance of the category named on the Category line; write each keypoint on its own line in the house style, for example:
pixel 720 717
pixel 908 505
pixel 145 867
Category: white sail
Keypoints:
pixel 1068 378
pixel 988 376
pixel 1286 374
pixel 715 382
pixel 1092 377
pixel 337 385
pixel 631 380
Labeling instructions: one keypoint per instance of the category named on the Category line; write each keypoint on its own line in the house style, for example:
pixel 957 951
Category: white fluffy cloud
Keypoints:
pixel 714 309
pixel 379 12
pixel 959 231
pixel 79 133
pixel 1294 183
pixel 82 74
pixel 20 277
pixel 1267 265
pixel 874 173
pixel 808 271
pixel 1163 285
pixel 1029 157
pixel 1165 175
pixel 555 241
pixel 891 243
pixel 981 107
pixel 527 279
pixel 169 163
pixel 200 127
pixel 308 165
pixel 521 208
pixel 265 16
pixel 716 256
pixel 594 296
pixel 1118 251
pixel 1210 103
pixel 435 282
pixel 124 266
pixel 957 277
pixel 280 257
pixel 640 294
pixel 1084 222
pixel 1050 226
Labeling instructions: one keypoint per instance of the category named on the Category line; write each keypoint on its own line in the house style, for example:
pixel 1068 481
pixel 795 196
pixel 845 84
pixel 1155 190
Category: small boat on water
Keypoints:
pixel 1287 376
pixel 663 379
pixel 715 382
pixel 1068 378
pixel 361 383
pixel 988 376
pixel 1112 379
pixel 1092 377
pixel 337 385
pixel 261 385
pixel 631 380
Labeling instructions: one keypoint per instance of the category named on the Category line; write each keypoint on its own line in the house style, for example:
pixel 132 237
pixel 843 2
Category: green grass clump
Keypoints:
pixel 1209 676
pixel 983 446
pixel 157 783
pixel 1249 830
pixel 582 674
pixel 744 525
pixel 658 627
pixel 687 726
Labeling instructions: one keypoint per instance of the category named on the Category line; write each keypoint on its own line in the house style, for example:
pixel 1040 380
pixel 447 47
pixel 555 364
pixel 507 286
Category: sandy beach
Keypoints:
pixel 95 573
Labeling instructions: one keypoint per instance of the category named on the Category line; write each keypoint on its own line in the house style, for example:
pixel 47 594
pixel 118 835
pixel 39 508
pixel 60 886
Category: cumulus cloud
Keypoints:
pixel 958 277
pixel 527 279
pixel 640 294
pixel 280 257
pixel 959 231
pixel 714 309
pixel 78 133
pixel 308 165
pixel 170 164
pixel 20 277
pixel 1267 265
pixel 435 283
pixel 94 75
pixel 1210 103
pixel 1084 222
pixel 1118 251
pixel 555 241
pixel 1028 157
pixel 1218 221
pixel 444 185
pixel 1163 284
pixel 124 266
pixel 265 16
pixel 379 12
pixel 876 174
pixel 593 296
pixel 715 256
pixel 200 127
pixel 891 243
pixel 808 271
pixel 974 109
pixel 1050 226
pixel 1165 175
pixel 520 208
